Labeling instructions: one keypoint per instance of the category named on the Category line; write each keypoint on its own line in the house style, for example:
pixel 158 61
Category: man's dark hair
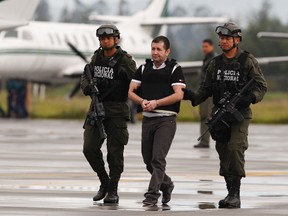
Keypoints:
pixel 209 41
pixel 164 39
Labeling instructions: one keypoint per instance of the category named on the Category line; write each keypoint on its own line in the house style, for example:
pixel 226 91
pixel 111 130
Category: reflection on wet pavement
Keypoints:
pixel 207 205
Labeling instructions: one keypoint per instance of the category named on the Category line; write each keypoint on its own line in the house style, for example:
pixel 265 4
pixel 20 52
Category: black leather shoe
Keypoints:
pixel 201 145
pixel 167 191
pixel 112 196
pixel 150 201
pixel 100 194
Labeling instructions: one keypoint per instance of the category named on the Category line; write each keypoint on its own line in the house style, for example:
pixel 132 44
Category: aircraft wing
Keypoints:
pixel 270 60
pixel 273 35
pixel 162 20
pixel 15 13
pixel 183 20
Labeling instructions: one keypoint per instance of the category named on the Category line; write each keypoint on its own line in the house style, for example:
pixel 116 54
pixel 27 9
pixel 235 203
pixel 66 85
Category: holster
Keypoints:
pixel 221 132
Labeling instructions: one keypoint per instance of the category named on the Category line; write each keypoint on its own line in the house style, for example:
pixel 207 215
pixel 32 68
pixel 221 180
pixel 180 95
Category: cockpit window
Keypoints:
pixel 11 34
pixel 27 35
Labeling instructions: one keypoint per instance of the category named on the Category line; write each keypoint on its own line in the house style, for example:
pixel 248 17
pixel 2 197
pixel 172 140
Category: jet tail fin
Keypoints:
pixel 156 9
pixel 14 13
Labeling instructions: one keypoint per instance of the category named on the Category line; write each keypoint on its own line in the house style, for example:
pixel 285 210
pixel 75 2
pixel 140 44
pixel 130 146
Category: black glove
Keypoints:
pixel 87 90
pixel 188 94
pixel 246 101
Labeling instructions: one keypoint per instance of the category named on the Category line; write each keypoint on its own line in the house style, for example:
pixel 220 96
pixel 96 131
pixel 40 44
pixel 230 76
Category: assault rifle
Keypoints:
pixel 228 106
pixel 97 113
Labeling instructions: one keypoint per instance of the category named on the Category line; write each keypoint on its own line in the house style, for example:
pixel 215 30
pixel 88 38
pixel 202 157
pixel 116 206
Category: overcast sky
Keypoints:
pixel 234 9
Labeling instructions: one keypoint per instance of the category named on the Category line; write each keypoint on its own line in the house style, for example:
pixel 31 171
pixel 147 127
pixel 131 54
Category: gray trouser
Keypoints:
pixel 205 110
pixel 157 136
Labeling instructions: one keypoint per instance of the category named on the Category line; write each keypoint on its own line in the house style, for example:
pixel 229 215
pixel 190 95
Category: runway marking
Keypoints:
pixel 268 173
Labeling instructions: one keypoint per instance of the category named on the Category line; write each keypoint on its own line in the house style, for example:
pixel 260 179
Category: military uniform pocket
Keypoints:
pixel 243 134
pixel 121 134
pixel 244 127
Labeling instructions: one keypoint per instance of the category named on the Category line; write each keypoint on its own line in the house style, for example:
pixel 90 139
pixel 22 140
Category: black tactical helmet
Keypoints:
pixel 108 29
pixel 229 29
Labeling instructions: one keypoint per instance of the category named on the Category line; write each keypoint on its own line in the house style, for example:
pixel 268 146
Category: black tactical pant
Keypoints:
pixel 157 136
pixel 231 153
pixel 117 137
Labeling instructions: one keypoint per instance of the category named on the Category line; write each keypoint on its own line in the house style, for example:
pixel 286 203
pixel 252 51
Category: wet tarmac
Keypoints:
pixel 43 172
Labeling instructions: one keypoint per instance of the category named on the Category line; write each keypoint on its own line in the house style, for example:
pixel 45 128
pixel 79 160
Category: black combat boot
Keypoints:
pixel 112 196
pixel 228 179
pixel 104 179
pixel 233 199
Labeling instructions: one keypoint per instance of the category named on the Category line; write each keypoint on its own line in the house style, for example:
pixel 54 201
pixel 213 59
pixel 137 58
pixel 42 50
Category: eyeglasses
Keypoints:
pixel 105 31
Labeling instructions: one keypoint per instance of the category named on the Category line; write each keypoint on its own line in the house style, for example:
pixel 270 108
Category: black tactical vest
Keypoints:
pixel 108 79
pixel 228 77
pixel 156 84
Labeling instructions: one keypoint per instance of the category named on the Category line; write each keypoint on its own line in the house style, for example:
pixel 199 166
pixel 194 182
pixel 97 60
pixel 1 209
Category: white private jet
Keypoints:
pixel 38 52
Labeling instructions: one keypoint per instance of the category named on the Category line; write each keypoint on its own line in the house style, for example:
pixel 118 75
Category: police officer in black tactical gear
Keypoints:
pixel 112 71
pixel 226 75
